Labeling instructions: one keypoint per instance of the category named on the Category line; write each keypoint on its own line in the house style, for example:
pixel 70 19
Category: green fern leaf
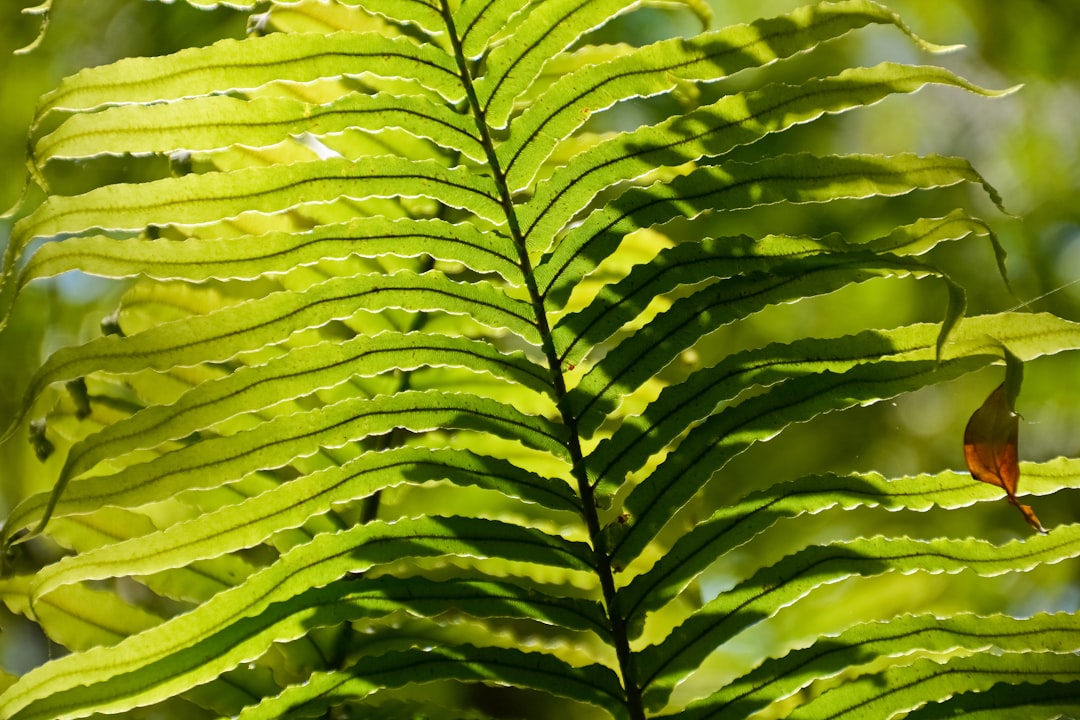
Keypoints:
pixel 439 319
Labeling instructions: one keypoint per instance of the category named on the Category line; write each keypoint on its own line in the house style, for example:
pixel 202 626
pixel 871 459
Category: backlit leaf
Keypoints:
pixel 991 438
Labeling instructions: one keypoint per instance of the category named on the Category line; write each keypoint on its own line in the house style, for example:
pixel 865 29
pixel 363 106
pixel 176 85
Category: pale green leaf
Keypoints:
pixel 78 617
pixel 779 678
pixel 663 665
pixel 732 526
pixel 252 256
pixel 229 65
pixel 711 131
pixel 289 505
pixel 712 443
pixel 479 22
pixel 223 334
pixel 801 178
pixel 652 70
pixel 896 690
pixel 1007 701
pixel 277 442
pixel 194 198
pixel 214 636
pixel 652 348
pixel 300 372
pixel 219 121
pixel 548 28
pixel 107 528
pixel 592 684
pixel 1027 335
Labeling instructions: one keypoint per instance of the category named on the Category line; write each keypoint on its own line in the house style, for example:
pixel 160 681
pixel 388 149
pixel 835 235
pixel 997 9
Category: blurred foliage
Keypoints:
pixel 80 33
pixel 1026 144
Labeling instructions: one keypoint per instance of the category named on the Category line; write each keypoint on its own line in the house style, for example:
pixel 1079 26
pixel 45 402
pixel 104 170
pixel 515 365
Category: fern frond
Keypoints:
pixel 424 369
pixel 664 665
pixel 777 679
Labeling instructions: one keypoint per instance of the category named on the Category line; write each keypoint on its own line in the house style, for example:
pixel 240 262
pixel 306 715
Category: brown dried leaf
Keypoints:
pixel 990 448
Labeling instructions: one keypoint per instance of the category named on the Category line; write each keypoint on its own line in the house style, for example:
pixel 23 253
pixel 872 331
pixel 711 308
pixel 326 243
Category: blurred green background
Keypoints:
pixel 1026 144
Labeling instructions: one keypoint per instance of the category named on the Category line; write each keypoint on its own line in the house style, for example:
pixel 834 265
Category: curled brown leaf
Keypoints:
pixel 990 448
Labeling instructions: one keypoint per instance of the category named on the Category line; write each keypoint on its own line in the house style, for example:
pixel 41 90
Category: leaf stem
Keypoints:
pixel 603 565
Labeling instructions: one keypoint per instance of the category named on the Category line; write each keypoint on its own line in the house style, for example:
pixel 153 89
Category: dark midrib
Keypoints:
pixel 620 636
